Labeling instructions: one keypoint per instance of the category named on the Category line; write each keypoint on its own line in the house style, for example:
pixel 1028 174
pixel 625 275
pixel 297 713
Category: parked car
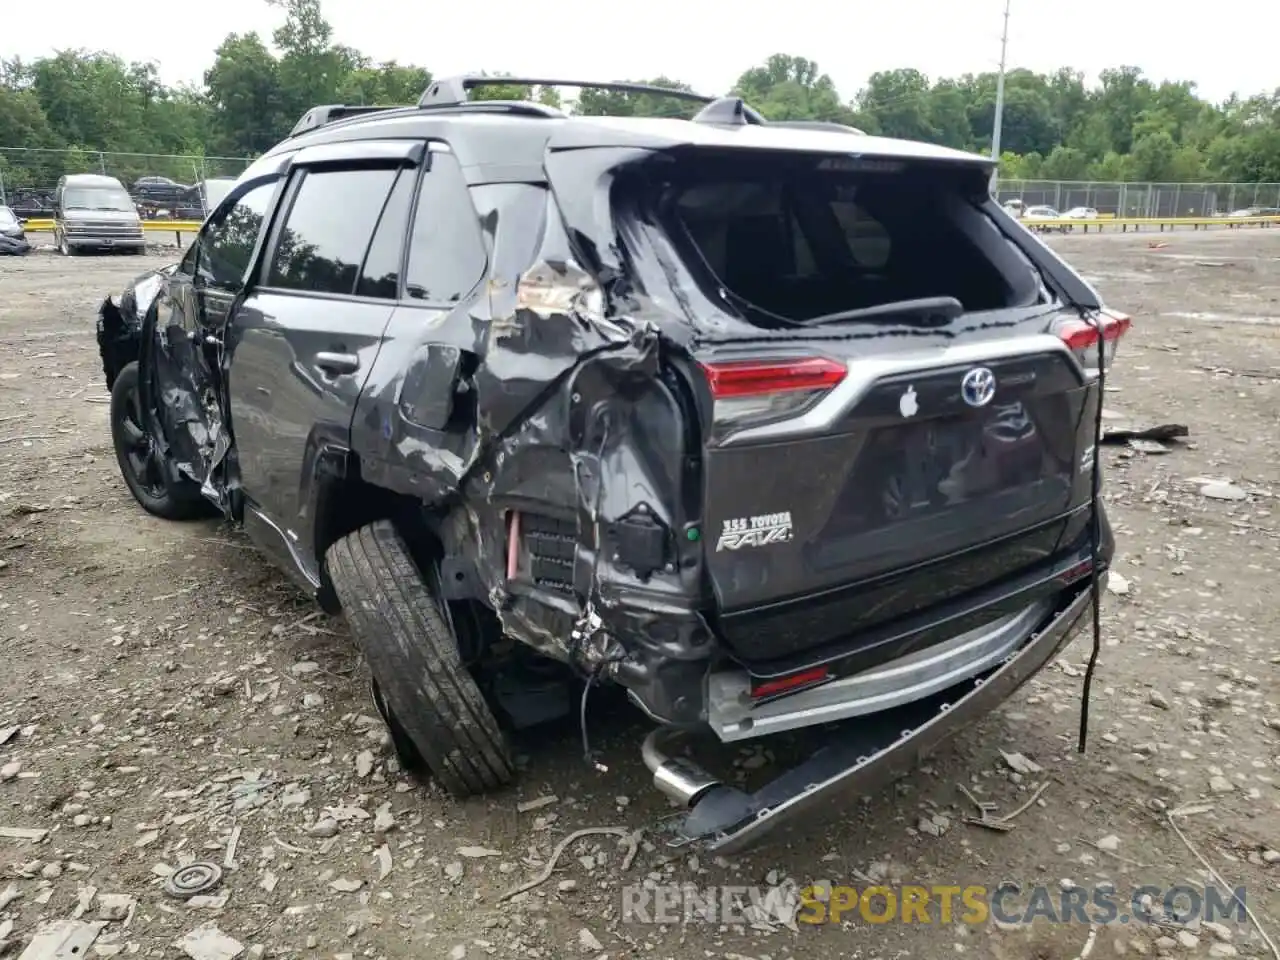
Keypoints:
pixel 692 407
pixel 13 234
pixel 157 191
pixel 93 212
pixel 1080 213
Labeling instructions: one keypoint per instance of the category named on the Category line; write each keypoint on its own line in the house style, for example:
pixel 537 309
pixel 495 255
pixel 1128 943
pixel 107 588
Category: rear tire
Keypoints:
pixel 427 695
pixel 145 473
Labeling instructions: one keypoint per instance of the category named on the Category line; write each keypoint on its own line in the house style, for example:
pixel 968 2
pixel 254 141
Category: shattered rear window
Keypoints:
pixel 791 240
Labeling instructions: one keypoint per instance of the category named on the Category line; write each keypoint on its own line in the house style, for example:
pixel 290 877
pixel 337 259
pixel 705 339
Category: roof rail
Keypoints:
pixel 452 91
pixel 818 125
pixel 328 113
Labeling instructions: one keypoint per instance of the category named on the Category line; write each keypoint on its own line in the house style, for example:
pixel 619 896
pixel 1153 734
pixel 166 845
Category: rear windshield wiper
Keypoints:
pixel 934 311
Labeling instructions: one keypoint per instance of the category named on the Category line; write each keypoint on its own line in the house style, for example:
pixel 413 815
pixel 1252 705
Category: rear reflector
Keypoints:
pixel 753 378
pixel 789 684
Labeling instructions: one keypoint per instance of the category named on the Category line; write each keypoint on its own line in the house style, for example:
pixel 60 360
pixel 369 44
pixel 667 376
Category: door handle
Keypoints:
pixel 337 363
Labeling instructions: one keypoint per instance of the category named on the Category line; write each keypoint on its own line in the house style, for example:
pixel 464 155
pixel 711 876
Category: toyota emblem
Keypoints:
pixel 978 387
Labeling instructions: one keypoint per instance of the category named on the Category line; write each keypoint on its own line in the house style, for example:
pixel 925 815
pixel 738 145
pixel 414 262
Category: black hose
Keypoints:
pixel 1095 541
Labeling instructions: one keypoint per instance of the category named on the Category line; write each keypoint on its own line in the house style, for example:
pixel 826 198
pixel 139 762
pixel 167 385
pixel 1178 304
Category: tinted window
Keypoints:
pixel 227 242
pixel 328 230
pixel 446 253
pixel 380 276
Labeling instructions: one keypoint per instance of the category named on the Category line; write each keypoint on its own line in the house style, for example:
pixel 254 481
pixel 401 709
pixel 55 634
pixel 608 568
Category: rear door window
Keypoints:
pixel 328 229
pixel 446 250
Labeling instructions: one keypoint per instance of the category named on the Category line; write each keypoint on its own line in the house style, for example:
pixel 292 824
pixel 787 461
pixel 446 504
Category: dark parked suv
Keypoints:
pixel 777 426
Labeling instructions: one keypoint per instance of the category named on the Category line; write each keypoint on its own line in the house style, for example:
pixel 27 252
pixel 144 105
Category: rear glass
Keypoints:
pixel 789 241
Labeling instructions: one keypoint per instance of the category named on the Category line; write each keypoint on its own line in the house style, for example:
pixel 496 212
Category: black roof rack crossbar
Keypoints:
pixel 328 113
pixel 452 91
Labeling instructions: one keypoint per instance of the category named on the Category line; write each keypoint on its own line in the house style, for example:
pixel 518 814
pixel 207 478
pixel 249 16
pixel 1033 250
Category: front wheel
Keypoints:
pixel 65 248
pixel 145 472
pixel 422 688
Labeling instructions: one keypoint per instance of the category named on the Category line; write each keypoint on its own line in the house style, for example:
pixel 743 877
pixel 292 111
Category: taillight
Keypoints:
pixel 1081 337
pixel 753 391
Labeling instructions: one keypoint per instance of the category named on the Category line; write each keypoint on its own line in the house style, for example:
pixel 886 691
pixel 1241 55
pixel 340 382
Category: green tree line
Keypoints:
pixel 1125 128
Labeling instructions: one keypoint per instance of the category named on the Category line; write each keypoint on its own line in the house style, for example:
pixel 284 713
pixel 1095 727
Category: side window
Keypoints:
pixel 380 275
pixel 328 229
pixel 227 243
pixel 446 251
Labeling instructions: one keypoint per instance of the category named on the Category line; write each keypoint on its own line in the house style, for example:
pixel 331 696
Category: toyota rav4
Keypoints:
pixel 778 426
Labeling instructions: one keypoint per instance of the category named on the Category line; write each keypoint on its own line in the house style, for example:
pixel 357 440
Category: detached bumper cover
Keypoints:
pixel 863 754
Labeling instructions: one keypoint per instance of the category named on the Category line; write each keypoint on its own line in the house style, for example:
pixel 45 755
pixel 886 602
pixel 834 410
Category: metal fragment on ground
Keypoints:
pixel 192 880
pixel 63 940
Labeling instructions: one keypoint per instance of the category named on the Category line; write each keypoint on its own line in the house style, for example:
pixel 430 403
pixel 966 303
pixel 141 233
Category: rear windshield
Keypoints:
pixel 788 240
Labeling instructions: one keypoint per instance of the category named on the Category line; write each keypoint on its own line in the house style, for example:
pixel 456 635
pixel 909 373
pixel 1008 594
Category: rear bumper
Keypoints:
pixel 861 755
pixel 732 715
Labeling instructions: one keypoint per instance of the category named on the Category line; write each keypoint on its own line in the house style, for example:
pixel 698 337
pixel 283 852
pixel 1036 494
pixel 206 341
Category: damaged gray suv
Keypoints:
pixel 776 426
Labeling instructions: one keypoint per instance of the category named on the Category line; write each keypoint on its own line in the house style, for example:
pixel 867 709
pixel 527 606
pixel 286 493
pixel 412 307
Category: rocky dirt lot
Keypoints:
pixel 166 697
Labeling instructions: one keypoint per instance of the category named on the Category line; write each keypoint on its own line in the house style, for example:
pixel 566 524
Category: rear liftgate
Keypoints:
pixel 857 756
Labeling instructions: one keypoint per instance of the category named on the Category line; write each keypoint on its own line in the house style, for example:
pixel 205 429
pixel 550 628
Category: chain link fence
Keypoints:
pixel 157 182
pixel 1142 199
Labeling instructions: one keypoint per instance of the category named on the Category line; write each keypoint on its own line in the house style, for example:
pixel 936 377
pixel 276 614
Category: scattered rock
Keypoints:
pixel 474 853
pixel 10 770
pixel 528 806
pixel 458 952
pixel 364 763
pixel 1222 490
pixel 304 668
pixel 1188 940
pixel 343 885
pixel 1110 843
pixel 1220 784
pixel 1158 699
pixel 324 828
pixel 1219 931
pixel 1020 764
pixel 1223 950
pixel 210 943
pixel 114 906
pixel 1117 584
pixel 383 820
pixel 588 941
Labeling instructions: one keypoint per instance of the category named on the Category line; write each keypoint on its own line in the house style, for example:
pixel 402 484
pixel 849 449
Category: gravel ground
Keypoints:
pixel 166 697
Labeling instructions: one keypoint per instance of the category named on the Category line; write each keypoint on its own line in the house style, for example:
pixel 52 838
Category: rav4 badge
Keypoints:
pixel 759 531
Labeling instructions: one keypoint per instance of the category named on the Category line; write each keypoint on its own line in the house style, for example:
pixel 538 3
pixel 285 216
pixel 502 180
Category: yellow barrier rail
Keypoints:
pixel 1123 224
pixel 153 226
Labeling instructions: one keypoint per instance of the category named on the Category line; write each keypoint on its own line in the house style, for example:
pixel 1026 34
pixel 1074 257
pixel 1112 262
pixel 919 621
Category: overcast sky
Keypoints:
pixel 704 43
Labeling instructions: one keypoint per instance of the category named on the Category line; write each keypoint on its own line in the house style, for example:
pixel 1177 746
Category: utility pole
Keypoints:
pixel 999 122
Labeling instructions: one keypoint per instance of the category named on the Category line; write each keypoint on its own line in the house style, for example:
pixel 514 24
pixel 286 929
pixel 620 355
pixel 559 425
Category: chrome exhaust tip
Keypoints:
pixel 677 777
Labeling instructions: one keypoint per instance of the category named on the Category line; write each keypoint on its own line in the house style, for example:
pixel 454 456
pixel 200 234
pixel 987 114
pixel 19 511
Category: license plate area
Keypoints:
pixel 908 471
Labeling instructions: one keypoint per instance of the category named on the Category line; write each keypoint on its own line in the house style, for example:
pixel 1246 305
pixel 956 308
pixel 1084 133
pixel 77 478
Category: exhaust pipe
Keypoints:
pixel 677 777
